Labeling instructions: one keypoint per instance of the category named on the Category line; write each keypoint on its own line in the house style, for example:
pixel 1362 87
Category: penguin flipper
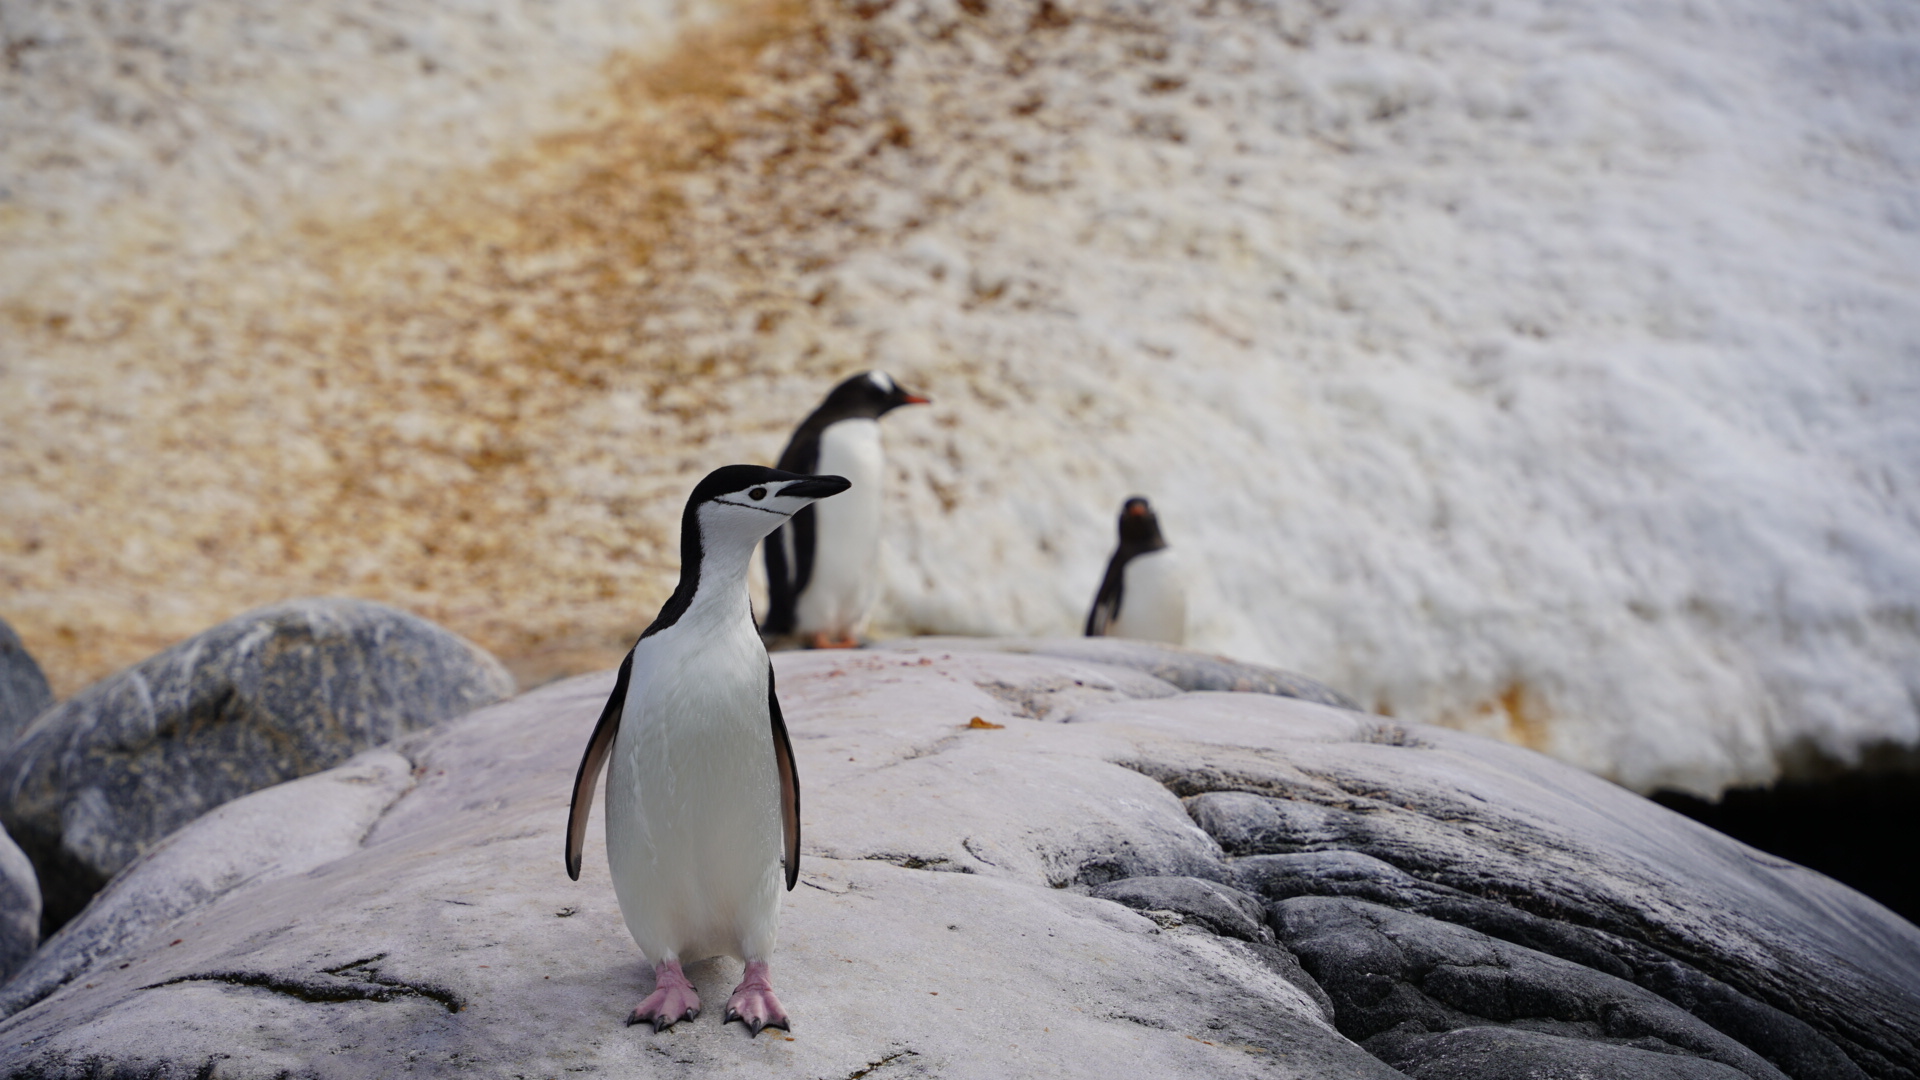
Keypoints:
pixel 598 747
pixel 789 785
pixel 1106 603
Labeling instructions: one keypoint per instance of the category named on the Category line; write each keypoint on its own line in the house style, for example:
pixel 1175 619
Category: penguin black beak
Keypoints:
pixel 816 487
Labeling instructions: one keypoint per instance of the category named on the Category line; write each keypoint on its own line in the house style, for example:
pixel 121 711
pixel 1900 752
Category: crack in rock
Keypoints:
pixel 881 1064
pixel 937 863
pixel 371 985
pixel 1046 698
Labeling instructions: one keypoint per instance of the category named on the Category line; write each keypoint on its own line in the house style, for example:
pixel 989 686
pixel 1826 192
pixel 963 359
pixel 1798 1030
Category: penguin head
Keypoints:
pixel 1139 528
pixel 742 503
pixel 868 395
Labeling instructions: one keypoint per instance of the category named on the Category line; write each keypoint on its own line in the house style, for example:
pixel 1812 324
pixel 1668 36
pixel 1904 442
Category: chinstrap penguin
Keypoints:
pixel 1143 595
pixel 703 803
pixel 821 566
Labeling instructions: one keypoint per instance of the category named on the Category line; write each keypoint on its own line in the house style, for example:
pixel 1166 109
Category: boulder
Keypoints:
pixel 24 693
pixel 1042 897
pixel 19 907
pixel 268 696
pixel 276 832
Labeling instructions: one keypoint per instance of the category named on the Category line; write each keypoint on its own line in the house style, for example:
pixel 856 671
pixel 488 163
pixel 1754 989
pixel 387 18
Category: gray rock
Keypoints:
pixel 1397 978
pixel 19 907
pixel 274 694
pixel 1816 978
pixel 1790 1043
pixel 1247 824
pixel 934 932
pixel 1328 873
pixel 943 925
pixel 1513 1053
pixel 1183 668
pixel 24 693
pixel 1221 909
pixel 277 832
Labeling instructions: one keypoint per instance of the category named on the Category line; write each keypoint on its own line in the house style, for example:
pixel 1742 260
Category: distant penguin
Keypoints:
pixel 703 804
pixel 822 567
pixel 1143 595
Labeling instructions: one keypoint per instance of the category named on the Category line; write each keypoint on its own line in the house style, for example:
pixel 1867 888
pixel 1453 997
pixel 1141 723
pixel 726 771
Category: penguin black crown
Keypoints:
pixel 703 799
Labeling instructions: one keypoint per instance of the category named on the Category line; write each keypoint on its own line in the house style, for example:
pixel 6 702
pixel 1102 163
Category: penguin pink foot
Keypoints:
pixel 753 1003
pixel 673 998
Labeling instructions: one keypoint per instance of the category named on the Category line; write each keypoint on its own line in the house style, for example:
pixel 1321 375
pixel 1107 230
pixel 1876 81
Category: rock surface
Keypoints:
pixel 1408 987
pixel 23 687
pixel 283 830
pixel 1187 669
pixel 23 696
pixel 19 907
pixel 263 698
pixel 1047 897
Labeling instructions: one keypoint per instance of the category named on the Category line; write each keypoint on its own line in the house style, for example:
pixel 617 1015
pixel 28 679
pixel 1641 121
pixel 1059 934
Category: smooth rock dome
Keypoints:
pixel 1046 897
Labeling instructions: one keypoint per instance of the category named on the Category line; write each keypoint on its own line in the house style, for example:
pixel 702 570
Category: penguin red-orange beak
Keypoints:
pixel 913 399
pixel 1136 510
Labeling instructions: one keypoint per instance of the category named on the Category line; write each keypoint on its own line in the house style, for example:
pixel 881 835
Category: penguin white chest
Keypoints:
pixel 693 805
pixel 844 581
pixel 1153 600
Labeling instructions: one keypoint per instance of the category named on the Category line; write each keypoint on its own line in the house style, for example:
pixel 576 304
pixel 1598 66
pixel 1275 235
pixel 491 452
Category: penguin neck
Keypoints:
pixel 720 587
pixel 1133 546
pixel 712 593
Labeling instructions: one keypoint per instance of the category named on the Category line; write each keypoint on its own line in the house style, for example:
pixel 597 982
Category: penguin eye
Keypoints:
pixel 757 494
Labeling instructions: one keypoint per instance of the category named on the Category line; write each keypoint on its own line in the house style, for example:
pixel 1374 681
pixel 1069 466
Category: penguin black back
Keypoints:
pixel 1139 534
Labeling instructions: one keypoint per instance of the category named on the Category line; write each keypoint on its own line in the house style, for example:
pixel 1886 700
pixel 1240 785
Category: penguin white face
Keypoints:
pixel 764 507
pixel 753 501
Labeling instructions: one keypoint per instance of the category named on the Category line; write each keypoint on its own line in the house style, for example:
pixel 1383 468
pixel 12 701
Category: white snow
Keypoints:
pixel 1543 369
pixel 1526 358
pixel 187 125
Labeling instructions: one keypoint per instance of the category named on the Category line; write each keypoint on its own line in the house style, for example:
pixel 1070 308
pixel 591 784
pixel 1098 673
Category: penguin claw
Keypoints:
pixel 757 1024
pixel 673 999
pixel 759 1017
pixel 659 1018
pixel 753 1003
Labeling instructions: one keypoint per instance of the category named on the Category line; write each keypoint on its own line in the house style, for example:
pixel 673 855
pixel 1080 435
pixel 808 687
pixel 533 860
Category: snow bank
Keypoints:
pixel 1543 370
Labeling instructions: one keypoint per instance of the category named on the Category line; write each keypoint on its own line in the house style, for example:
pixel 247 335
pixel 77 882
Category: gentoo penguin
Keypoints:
pixel 703 804
pixel 1142 595
pixel 821 566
